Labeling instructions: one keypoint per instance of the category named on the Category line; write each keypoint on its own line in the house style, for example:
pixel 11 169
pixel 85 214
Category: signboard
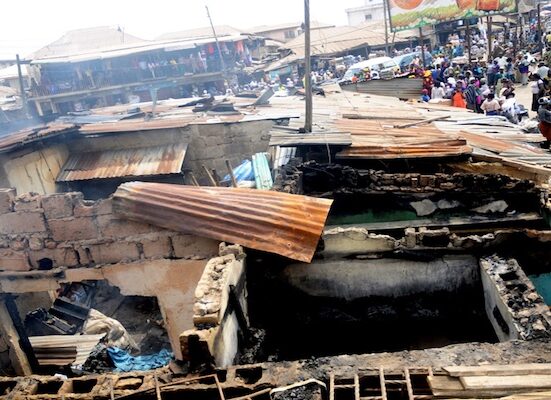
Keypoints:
pixel 408 14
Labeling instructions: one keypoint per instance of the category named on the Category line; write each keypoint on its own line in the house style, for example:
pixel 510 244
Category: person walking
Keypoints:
pixel 523 68
pixel 537 91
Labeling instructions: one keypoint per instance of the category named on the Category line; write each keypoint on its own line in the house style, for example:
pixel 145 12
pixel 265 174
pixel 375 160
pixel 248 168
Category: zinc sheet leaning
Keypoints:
pixel 285 224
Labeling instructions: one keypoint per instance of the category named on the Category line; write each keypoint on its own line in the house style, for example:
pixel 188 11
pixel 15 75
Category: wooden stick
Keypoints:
pixel 425 121
pixel 157 388
pixel 193 179
pixel 111 390
pixel 230 171
pixel 219 387
pixel 211 178
pixel 250 396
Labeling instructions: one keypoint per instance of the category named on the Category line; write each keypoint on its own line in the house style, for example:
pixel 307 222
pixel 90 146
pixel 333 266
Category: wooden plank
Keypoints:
pixel 382 381
pixel 425 121
pixel 499 370
pixel 506 382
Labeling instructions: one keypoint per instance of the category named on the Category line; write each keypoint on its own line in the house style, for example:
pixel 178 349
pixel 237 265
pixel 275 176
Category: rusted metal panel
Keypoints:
pixel 20 138
pixel 148 161
pixel 403 88
pixel 373 139
pixel 280 223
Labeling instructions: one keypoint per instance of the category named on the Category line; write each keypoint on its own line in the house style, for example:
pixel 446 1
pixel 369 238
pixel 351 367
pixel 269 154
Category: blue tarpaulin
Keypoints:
pixel 243 172
pixel 124 362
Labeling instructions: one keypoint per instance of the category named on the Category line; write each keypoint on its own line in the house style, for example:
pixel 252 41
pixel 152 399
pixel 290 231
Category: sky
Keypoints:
pixel 29 25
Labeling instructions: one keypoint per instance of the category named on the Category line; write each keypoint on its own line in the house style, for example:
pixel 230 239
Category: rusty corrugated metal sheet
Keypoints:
pixel 20 138
pixel 156 160
pixel 280 223
pixel 373 139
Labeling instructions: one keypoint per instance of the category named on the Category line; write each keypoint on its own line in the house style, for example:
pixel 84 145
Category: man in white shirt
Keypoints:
pixel 542 69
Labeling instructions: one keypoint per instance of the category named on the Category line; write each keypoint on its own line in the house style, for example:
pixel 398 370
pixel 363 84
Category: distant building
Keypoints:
pixel 105 66
pixel 10 77
pixel 285 32
pixel 371 11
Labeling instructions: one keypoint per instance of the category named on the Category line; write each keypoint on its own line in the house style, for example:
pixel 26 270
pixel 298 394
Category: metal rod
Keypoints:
pixel 217 43
pixel 307 68
pixel 211 178
pixel 232 176
pixel 22 85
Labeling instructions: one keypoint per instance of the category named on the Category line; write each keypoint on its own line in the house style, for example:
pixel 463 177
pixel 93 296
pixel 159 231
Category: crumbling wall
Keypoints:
pixel 323 178
pixel 63 230
pixel 215 337
pixel 513 305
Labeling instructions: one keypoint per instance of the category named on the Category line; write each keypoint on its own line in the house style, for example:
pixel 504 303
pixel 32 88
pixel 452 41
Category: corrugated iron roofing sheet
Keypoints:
pixel 280 223
pixel 64 349
pixel 28 135
pixel 373 139
pixel 156 160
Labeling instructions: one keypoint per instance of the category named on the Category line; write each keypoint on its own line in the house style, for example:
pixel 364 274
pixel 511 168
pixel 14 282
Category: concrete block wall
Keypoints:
pixel 64 230
pixel 513 305
pixel 215 333
pixel 212 144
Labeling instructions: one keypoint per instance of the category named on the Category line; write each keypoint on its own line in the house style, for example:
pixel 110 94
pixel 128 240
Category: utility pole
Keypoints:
pixel 468 33
pixel 307 68
pixel 540 34
pixel 386 13
pixel 22 86
pixel 489 34
pixel 217 43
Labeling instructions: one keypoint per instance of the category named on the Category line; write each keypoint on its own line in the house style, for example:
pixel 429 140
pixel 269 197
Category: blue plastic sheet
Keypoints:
pixel 243 172
pixel 124 362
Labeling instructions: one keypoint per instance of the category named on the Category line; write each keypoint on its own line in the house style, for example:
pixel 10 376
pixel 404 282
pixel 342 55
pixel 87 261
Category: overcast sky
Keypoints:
pixel 28 25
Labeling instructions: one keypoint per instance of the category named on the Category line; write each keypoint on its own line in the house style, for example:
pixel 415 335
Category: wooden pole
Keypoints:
pixel 540 33
pixel 422 46
pixel 232 176
pixel 22 86
pixel 222 64
pixel 209 175
pixel 468 33
pixel 489 34
pixel 307 68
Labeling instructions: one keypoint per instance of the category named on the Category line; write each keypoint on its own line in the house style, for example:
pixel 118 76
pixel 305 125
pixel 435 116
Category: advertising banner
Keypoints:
pixel 408 14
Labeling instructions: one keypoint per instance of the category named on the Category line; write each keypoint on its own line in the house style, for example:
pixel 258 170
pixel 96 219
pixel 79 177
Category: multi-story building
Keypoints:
pixel 371 11
pixel 106 66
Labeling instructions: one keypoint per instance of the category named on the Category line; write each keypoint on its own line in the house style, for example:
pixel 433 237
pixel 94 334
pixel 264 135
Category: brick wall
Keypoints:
pixel 43 231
